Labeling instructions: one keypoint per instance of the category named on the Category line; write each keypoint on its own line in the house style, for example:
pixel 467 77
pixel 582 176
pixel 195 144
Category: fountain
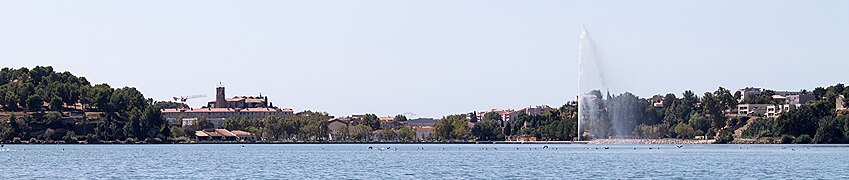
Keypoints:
pixel 600 115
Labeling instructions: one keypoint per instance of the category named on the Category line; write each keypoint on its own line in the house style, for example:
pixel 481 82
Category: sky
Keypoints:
pixel 427 57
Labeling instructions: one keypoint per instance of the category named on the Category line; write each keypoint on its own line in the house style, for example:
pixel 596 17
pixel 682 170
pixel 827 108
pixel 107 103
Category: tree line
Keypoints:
pixel 39 105
pixel 557 124
pixel 817 122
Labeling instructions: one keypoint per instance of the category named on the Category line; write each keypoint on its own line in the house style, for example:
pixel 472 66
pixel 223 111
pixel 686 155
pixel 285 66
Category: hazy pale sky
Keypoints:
pixel 427 57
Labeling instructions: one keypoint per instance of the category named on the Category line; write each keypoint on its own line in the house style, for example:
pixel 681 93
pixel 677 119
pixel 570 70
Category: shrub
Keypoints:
pixel 724 138
pixel 802 139
pixel 786 139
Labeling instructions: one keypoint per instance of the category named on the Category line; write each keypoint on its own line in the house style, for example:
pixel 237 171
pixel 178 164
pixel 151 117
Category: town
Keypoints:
pixel 40 105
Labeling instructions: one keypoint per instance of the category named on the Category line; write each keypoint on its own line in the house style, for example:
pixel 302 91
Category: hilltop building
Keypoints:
pixel 236 102
pixel 222 108
pixel 789 100
pixel 508 115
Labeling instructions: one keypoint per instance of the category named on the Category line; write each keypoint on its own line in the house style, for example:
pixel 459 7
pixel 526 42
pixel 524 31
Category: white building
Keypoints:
pixel 776 110
pixel 752 109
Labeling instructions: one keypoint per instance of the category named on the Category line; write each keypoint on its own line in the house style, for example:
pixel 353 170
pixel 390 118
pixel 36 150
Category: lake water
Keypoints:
pixel 435 161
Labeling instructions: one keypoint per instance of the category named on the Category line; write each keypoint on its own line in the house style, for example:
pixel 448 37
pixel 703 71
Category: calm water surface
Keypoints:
pixel 434 161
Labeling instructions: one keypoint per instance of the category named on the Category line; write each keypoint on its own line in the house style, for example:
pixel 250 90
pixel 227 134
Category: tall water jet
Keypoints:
pixel 591 108
pixel 600 114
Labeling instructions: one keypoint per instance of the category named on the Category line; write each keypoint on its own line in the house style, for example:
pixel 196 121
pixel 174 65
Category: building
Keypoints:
pixel 224 135
pixel 424 133
pixel 243 135
pixel 221 101
pixel 839 103
pixel 752 109
pixel 748 91
pixel 421 122
pixel 657 101
pixel 799 99
pixel 338 127
pixel 776 110
pixel 509 115
pixel 217 116
pixel 219 110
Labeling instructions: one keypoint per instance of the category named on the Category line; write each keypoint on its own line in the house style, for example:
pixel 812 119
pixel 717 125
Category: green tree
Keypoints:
pixel 699 122
pixel 802 139
pixel 406 133
pixel 177 132
pixel 361 132
pixel 684 131
pixel 452 127
pixel 724 137
pixel 371 121
pixel 828 131
pixel 387 135
pixel 34 103
pixel 487 130
pixel 56 103
pixel 400 118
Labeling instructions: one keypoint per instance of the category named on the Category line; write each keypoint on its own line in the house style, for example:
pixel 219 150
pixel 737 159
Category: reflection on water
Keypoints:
pixel 429 161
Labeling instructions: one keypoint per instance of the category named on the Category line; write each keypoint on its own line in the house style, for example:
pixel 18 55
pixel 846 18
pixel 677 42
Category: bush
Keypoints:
pixel 802 139
pixel 724 138
pixel 786 139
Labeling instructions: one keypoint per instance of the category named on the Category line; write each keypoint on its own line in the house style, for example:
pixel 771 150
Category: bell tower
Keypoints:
pixel 220 101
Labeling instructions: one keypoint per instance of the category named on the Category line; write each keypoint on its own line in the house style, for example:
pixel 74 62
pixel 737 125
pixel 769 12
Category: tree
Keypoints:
pixel 699 122
pixel 828 131
pixel 725 98
pixel 177 132
pixel 361 132
pixel 493 116
pixel 371 121
pixel 684 131
pixel 400 118
pixel 724 137
pixel 802 120
pixel 126 99
pixel 15 127
pixel 487 130
pixel 387 134
pixel 668 100
pixel 56 103
pixel 34 103
pixel 406 133
pixel 802 139
pixel 713 107
pixel 70 136
pixel 452 127
pixel 473 117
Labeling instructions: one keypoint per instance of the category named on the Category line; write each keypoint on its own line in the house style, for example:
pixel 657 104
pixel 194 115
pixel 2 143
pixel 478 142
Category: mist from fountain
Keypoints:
pixel 600 115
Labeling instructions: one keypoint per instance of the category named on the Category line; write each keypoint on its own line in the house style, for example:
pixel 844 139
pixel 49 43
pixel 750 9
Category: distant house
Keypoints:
pixel 222 108
pixel 335 126
pixel 244 135
pixel 223 135
pixel 524 138
pixel 748 91
pixel 839 103
pixel 657 100
pixel 776 110
pixel 509 115
pixel 421 122
pixel 424 133
pixel 752 109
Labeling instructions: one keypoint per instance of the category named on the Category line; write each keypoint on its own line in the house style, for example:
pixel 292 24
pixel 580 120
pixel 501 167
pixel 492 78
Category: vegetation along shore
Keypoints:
pixel 40 105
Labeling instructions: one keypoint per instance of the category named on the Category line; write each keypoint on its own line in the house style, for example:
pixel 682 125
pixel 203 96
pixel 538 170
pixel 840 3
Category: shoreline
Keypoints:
pixel 592 142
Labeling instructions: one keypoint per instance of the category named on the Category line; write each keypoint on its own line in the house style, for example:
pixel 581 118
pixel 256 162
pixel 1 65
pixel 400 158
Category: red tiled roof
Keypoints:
pixel 241 133
pixel 424 129
pixel 204 110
